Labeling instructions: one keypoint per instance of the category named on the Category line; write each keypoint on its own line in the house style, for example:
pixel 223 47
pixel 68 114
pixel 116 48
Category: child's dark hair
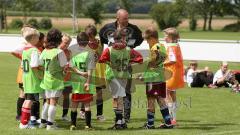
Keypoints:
pixel 91 30
pixel 41 36
pixel 54 38
pixel 82 39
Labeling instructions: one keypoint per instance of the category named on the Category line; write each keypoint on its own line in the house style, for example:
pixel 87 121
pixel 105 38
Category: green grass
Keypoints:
pixel 201 111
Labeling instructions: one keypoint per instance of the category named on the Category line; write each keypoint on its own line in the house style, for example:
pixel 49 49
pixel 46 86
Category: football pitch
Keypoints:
pixel 201 110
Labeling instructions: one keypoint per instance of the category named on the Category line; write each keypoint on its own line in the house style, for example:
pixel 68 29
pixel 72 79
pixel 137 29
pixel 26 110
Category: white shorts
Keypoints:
pixel 53 93
pixel 118 87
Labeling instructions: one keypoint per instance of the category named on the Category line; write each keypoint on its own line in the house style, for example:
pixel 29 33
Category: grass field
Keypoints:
pixel 201 111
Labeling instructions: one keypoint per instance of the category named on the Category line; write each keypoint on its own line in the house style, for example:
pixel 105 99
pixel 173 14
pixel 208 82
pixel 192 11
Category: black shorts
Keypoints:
pixel 20 86
pixel 32 96
pixel 157 89
pixel 67 90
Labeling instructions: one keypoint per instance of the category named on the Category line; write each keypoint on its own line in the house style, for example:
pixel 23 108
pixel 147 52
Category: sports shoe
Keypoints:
pixel 73 127
pixel 65 118
pixel 82 115
pixel 21 126
pixel 42 125
pixel 165 126
pixel 89 128
pixel 146 126
pixel 116 127
pixel 33 122
pixel 52 127
pixel 174 122
pixel 101 118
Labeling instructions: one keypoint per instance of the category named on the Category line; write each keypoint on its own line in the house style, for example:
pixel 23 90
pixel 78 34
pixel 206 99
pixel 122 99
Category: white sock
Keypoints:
pixel 170 108
pixel 32 118
pixel 45 111
pixel 51 113
pixel 174 110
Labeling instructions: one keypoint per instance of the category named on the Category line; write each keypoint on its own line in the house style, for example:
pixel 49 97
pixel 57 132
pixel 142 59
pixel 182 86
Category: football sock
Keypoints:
pixel 88 118
pixel 119 116
pixel 65 112
pixel 73 118
pixel 99 104
pixel 51 113
pixel 45 111
pixel 65 107
pixel 174 110
pixel 35 109
pixel 170 108
pixel 20 102
pixel 165 115
pixel 150 118
pixel 25 115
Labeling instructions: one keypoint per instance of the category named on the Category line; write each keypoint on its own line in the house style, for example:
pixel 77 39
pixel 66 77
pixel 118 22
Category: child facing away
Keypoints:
pixel 52 59
pixel 155 80
pixel 174 63
pixel 95 46
pixel 31 75
pixel 118 57
pixel 82 83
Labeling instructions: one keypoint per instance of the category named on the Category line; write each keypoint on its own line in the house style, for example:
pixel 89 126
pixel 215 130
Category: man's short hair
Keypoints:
pixel 150 33
pixel 82 39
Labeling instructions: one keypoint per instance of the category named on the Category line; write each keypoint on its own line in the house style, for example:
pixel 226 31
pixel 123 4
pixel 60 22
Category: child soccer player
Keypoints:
pixel 31 75
pixel 53 86
pixel 100 83
pixel 155 81
pixel 174 63
pixel 66 40
pixel 118 57
pixel 83 89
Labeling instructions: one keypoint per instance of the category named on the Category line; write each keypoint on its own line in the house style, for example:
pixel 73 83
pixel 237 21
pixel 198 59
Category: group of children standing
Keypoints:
pixel 83 70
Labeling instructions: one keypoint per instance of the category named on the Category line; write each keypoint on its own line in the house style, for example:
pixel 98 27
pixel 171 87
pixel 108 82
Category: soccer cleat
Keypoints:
pixel 33 122
pixel 174 122
pixel 124 126
pixel 100 118
pixel 65 118
pixel 42 125
pixel 21 126
pixel 116 127
pixel 82 115
pixel 165 126
pixel 89 128
pixel 73 127
pixel 52 127
pixel 146 126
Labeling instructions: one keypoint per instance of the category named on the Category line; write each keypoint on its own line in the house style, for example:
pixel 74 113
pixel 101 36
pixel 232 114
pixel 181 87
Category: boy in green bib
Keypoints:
pixel 83 86
pixel 155 80
pixel 118 57
pixel 31 75
pixel 53 61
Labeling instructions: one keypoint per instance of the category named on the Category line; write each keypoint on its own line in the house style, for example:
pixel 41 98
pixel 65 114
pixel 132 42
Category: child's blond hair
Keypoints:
pixel 28 33
pixel 65 35
pixel 172 33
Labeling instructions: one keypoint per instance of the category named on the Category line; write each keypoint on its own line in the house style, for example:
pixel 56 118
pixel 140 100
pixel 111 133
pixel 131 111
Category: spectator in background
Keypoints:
pixel 224 76
pixel 199 78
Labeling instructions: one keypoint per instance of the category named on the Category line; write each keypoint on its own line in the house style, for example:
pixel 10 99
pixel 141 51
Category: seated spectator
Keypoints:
pixel 224 77
pixel 198 78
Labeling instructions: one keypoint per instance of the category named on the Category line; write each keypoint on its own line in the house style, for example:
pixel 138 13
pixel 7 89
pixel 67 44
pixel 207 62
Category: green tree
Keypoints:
pixel 166 15
pixel 236 9
pixel 26 6
pixel 126 4
pixel 94 11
